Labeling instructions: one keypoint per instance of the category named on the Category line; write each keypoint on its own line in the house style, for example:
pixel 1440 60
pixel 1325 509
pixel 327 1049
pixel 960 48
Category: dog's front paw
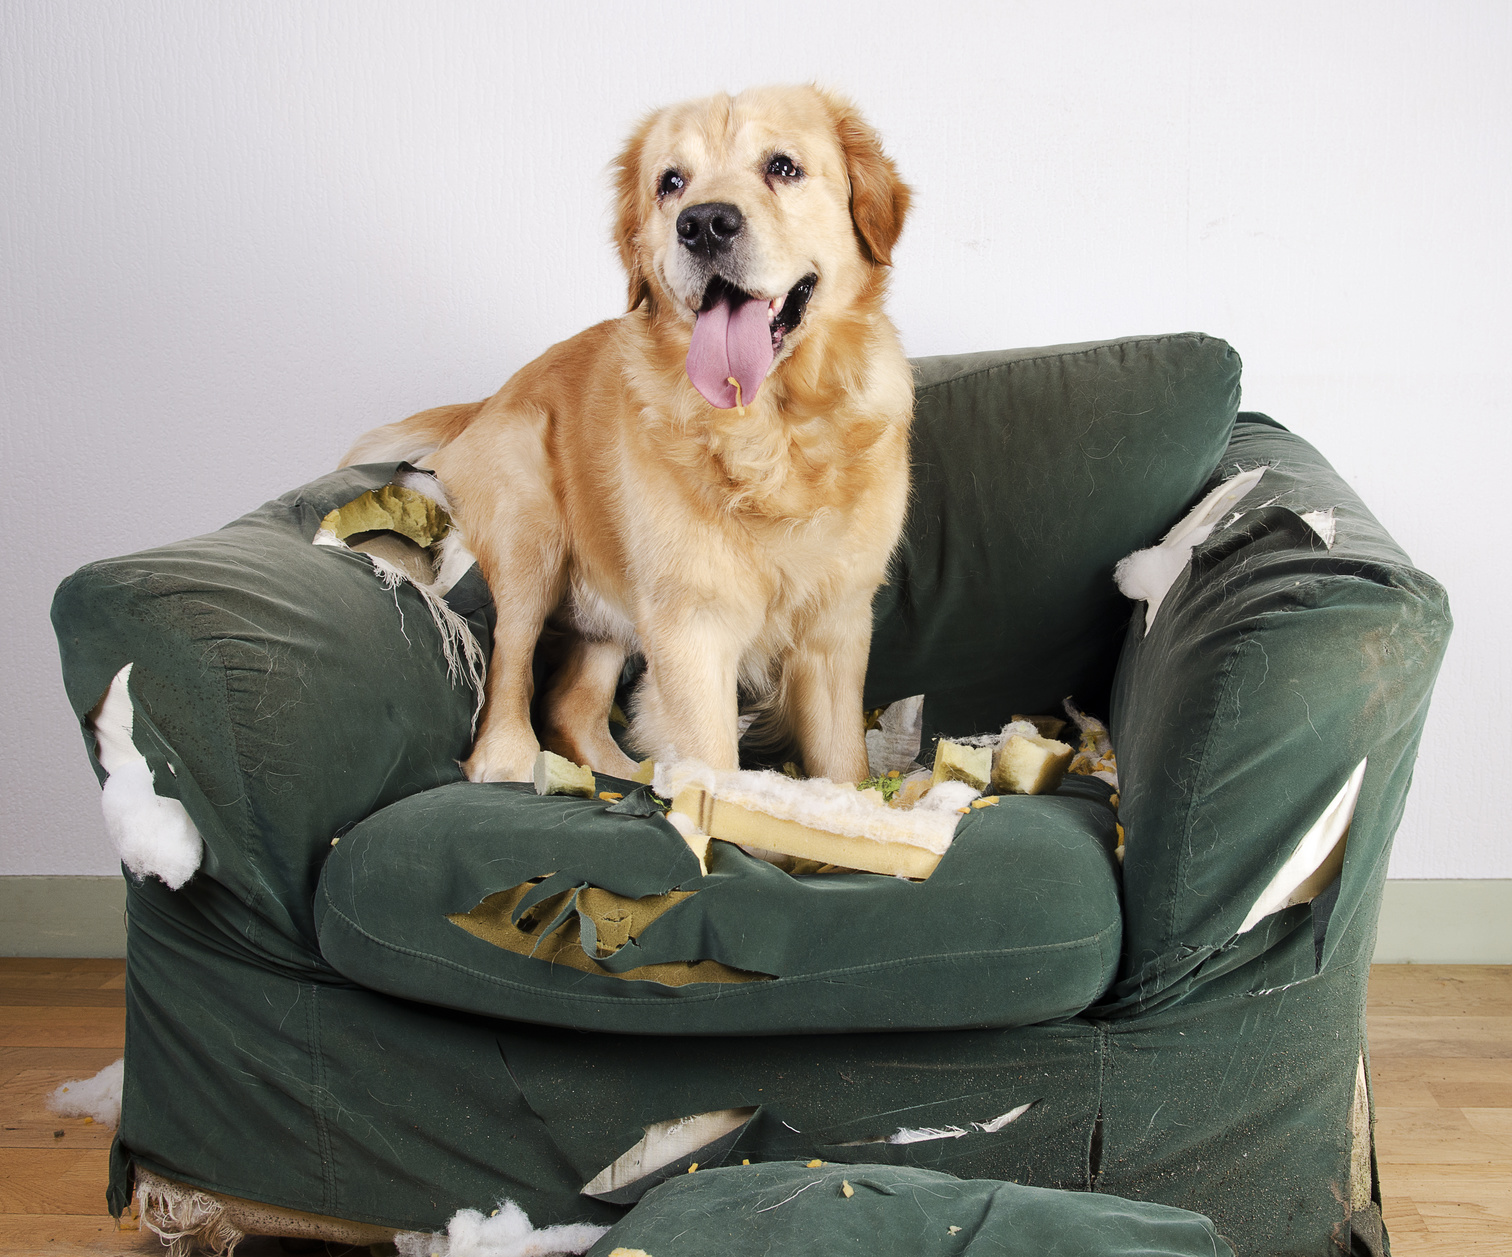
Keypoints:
pixel 502 757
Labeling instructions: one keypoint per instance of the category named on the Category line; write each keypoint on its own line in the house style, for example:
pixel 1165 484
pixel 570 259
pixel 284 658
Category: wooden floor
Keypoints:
pixel 1441 1053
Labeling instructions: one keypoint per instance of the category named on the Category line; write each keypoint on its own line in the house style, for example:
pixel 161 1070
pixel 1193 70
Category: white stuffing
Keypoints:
pixel 153 835
pixel 948 796
pixel 1323 523
pixel 505 1233
pixel 1147 575
pixel 815 802
pixel 1316 859
pixel 98 1097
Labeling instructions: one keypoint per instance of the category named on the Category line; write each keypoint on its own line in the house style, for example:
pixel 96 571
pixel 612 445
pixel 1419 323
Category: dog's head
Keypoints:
pixel 746 218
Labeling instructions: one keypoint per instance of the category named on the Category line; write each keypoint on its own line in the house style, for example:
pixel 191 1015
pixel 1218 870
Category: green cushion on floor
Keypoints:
pixel 894 1211
pixel 1019 923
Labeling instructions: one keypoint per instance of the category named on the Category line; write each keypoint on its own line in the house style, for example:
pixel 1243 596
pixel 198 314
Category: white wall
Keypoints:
pixel 236 234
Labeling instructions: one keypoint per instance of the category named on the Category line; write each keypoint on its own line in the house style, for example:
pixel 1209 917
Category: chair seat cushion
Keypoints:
pixel 595 915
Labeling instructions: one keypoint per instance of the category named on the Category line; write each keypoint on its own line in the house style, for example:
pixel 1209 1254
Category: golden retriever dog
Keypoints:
pixel 715 479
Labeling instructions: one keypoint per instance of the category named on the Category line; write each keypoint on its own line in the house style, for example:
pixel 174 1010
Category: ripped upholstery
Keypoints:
pixel 552 930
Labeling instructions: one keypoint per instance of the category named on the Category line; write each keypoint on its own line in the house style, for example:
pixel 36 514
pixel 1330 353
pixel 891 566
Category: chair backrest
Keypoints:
pixel 1034 472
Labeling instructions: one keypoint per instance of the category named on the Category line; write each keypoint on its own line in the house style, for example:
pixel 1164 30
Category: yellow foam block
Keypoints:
pixel 733 823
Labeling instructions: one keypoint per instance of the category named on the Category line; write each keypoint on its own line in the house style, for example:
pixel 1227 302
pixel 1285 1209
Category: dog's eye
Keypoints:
pixel 671 182
pixel 781 166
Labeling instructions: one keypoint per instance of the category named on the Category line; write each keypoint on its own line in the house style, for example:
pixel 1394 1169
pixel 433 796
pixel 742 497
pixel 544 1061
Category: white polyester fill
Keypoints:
pixel 153 835
pixel 1147 575
pixel 816 802
pixel 1317 859
pixel 507 1233
pixel 98 1097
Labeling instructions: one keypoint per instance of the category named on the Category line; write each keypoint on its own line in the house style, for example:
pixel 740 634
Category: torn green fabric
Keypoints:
pixel 785 1207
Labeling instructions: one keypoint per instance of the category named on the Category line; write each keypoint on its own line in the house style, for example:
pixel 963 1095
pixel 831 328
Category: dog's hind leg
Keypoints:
pixel 575 719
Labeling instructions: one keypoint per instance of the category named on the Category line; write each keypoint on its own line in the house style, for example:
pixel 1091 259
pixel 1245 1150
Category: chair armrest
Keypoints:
pixel 279 689
pixel 1277 665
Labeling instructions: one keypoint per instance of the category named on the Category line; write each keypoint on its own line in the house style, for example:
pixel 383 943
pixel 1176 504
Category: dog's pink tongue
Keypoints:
pixel 730 343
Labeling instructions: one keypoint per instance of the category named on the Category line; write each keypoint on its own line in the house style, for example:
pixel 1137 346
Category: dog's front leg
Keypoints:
pixel 822 679
pixel 685 706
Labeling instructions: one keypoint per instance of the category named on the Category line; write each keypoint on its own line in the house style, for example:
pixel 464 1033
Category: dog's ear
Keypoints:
pixel 879 197
pixel 630 210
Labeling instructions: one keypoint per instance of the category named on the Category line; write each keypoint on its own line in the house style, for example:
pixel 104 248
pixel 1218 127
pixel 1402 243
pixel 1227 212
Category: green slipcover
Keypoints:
pixel 784 1207
pixel 286 696
pixel 1018 924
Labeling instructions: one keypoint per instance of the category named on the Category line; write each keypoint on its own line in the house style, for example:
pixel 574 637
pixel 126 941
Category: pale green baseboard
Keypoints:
pixel 1422 922
pixel 1446 923
pixel 62 916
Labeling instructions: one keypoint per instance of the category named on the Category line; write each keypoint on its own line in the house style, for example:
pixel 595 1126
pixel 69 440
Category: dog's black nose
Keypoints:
pixel 710 227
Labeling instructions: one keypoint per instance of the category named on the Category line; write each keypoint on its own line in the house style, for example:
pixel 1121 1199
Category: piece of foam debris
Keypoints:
pixel 554 774
pixel 697 840
pixel 629 1252
pixel 1147 575
pixel 94 1099
pixel 504 1233
pixel 1045 726
pixel 958 761
pixel 644 771
pixel 1030 764
pixel 816 819
pixel 846 1189
pixel 954 1230
pixel 1323 523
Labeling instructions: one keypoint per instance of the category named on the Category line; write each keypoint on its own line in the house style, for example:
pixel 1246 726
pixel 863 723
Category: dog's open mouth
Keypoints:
pixel 736 336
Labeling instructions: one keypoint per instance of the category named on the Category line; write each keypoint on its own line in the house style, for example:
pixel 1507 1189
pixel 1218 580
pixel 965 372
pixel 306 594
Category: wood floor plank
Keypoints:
pixel 1455 1084
pixel 40 997
pixel 25 1121
pixel 1437 990
pixel 61 1027
pixel 62 1234
pixel 1442 1136
pixel 1488 1038
pixel 53 1180
pixel 27 970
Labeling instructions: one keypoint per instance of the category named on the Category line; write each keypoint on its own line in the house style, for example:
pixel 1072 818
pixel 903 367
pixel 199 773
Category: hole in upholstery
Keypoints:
pixel 551 930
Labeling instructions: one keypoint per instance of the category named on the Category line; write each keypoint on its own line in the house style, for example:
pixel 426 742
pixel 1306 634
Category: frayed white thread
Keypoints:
pixel 153 835
pixel 997 1123
pixel 1147 575
pixel 506 1233
pixel 98 1097
pixel 926 1133
pixel 464 656
pixel 187 1221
